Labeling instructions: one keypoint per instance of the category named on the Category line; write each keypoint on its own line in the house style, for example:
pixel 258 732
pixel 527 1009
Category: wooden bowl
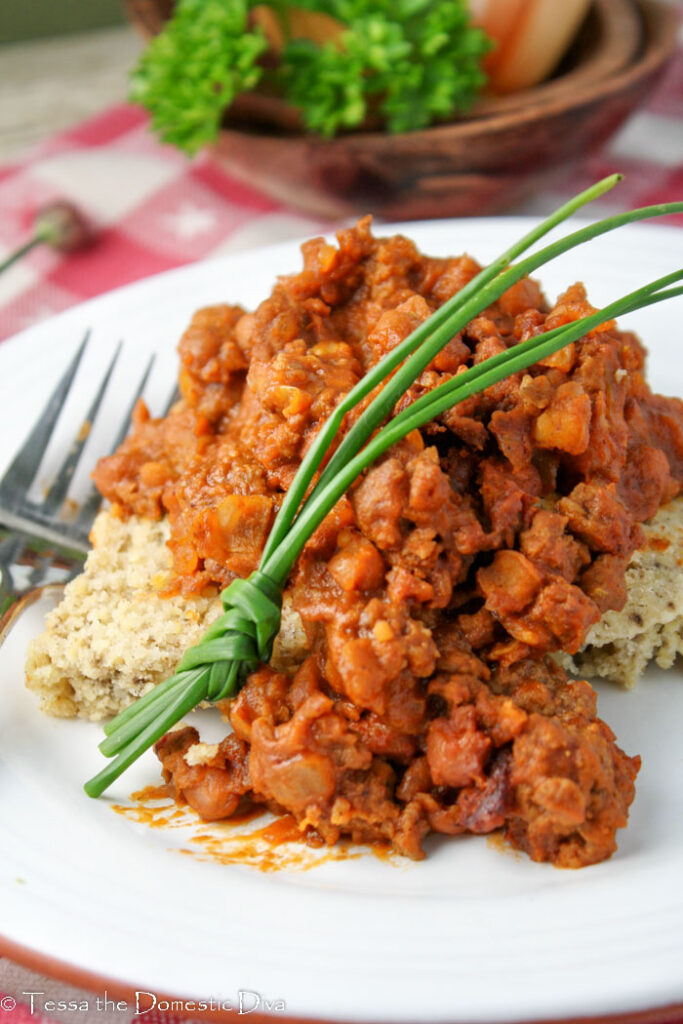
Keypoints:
pixel 609 39
pixel 506 149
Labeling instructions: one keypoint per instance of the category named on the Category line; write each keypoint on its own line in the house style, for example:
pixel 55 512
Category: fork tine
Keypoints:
pixel 60 485
pixel 92 502
pixel 125 426
pixel 48 519
pixel 173 398
pixel 25 465
pixel 86 513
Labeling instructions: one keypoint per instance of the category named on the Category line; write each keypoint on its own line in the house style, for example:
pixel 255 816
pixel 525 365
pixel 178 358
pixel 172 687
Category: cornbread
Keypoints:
pixel 113 636
pixel 432 594
pixel 650 626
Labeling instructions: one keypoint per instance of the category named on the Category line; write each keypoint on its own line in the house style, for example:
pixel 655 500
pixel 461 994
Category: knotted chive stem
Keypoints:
pixel 242 638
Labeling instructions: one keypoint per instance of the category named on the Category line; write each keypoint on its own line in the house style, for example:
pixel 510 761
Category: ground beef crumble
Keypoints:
pixel 433 593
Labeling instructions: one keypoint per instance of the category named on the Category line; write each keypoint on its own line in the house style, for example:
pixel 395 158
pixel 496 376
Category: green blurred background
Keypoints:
pixel 31 19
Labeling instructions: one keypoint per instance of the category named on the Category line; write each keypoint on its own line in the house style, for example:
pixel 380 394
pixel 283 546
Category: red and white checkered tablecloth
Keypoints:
pixel 155 210
pixel 152 208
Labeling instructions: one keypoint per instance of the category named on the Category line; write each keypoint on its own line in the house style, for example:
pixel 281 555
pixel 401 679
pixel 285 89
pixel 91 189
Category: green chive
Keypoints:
pixel 242 637
pixel 379 373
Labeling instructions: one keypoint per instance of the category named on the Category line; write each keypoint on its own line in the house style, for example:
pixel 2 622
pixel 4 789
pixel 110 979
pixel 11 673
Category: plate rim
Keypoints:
pixel 34 956
pixel 92 981
pixel 381 229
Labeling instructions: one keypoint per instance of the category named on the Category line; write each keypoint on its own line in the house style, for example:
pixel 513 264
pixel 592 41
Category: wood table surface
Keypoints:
pixel 47 85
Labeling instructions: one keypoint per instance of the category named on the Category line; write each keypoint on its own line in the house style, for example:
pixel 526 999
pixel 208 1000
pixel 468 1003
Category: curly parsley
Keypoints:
pixel 192 71
pixel 410 62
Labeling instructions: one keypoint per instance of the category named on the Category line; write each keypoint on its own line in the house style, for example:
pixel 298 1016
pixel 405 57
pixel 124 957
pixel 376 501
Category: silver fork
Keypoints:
pixel 43 544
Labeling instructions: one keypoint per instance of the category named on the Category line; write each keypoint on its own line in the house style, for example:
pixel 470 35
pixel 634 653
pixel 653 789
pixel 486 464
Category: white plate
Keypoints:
pixel 470 934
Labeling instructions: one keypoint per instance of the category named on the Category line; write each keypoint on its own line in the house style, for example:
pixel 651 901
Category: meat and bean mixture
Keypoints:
pixel 435 591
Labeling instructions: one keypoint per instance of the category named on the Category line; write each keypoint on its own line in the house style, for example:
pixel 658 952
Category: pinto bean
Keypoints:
pixel 565 424
pixel 510 583
pixel 357 566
